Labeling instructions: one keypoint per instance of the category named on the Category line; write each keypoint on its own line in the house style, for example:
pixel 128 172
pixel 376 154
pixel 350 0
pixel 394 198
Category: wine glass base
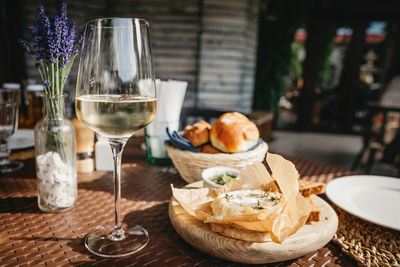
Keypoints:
pixel 101 242
pixel 10 166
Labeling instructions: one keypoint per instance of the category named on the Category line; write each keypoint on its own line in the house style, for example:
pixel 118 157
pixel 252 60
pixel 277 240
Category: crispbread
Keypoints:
pixel 314 214
pixel 235 233
pixel 307 188
pixel 253 236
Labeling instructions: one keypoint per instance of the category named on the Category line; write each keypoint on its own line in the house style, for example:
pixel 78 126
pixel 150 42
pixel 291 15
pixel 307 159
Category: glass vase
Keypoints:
pixel 55 158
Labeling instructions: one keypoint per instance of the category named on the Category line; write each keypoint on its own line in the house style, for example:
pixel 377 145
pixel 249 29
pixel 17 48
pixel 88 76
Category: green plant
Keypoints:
pixel 278 21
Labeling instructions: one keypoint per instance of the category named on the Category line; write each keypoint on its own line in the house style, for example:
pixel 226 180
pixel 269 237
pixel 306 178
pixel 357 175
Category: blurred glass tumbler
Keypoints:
pixel 9 103
pixel 155 136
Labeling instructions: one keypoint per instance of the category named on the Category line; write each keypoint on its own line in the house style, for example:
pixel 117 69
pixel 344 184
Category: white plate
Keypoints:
pixel 373 198
pixel 22 138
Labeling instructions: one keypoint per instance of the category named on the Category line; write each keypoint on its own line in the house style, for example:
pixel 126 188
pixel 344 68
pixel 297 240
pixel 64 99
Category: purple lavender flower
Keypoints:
pixel 63 11
pixel 54 41
pixel 79 41
pixel 41 35
pixel 47 83
pixel 52 37
pixel 68 44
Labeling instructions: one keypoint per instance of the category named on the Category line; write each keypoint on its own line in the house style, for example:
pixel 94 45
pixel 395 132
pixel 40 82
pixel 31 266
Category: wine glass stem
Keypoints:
pixel 117 148
pixel 4 151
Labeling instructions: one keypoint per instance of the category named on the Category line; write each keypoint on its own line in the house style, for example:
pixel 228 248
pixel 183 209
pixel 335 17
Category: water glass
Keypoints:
pixel 155 137
pixel 9 104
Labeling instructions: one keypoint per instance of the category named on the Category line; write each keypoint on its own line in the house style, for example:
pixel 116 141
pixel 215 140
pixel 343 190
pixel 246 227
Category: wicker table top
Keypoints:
pixel 31 237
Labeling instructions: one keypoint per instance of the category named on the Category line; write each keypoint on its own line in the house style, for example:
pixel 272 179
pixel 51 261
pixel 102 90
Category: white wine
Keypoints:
pixel 115 116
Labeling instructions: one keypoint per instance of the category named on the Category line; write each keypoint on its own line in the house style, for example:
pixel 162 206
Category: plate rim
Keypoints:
pixel 26 132
pixel 328 192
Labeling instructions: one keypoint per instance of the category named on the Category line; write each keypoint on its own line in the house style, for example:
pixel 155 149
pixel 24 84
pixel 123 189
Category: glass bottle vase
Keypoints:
pixel 55 158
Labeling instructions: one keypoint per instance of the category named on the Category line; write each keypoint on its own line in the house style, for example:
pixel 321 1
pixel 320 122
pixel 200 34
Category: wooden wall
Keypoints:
pixel 228 51
pixel 174 28
pixel 209 43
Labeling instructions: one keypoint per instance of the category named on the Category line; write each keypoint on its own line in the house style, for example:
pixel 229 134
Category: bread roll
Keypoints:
pixel 198 134
pixel 233 132
pixel 208 148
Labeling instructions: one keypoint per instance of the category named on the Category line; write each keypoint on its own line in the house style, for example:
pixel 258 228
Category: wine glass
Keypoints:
pixel 115 97
pixel 9 103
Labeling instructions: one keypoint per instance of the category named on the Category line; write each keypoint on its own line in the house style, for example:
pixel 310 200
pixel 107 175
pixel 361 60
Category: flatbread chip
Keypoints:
pixel 292 218
pixel 192 199
pixel 285 174
pixel 235 233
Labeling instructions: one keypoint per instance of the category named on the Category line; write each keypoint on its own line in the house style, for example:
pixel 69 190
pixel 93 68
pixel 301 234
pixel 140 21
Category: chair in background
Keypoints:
pixel 378 137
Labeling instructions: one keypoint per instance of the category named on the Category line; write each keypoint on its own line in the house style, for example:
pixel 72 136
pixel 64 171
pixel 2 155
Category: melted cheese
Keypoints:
pixel 242 202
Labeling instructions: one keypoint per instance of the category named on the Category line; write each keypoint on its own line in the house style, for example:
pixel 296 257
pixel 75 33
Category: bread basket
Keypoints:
pixel 191 164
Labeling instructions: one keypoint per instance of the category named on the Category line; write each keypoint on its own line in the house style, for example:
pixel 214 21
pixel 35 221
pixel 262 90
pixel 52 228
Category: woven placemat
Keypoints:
pixel 367 243
pixel 29 237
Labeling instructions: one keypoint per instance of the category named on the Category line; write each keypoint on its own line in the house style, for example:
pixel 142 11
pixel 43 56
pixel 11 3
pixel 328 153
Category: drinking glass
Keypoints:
pixel 9 104
pixel 115 97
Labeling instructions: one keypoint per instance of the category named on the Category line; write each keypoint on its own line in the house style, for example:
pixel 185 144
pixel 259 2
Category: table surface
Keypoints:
pixel 31 237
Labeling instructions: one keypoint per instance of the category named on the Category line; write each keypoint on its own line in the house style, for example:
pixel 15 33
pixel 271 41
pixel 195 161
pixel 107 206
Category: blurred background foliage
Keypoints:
pixel 321 62
pixel 278 22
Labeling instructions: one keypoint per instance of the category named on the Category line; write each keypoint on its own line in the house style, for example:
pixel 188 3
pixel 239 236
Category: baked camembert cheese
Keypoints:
pixel 245 202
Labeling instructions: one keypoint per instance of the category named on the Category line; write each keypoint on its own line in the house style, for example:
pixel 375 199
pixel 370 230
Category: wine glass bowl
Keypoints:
pixel 115 97
pixel 115 117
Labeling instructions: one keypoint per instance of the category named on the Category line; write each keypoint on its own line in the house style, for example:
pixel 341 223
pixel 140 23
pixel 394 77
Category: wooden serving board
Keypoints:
pixel 308 238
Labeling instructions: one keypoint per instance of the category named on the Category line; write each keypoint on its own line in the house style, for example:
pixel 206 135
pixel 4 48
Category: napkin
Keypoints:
pixel 170 96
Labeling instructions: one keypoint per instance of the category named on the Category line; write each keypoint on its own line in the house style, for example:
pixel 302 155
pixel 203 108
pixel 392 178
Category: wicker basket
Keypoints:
pixel 190 164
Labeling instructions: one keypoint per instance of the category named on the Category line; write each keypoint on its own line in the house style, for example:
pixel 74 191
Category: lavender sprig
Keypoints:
pixel 54 45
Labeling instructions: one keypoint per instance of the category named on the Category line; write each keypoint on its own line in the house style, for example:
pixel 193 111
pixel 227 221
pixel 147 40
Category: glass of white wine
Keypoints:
pixel 115 97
